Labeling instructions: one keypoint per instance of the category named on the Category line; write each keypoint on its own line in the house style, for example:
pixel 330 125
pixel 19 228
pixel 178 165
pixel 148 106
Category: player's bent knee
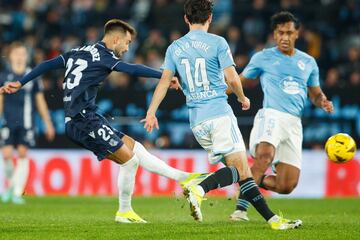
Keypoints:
pixel 265 157
pixel 265 152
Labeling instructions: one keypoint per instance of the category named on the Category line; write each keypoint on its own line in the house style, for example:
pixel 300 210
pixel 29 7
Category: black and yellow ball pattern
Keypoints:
pixel 340 148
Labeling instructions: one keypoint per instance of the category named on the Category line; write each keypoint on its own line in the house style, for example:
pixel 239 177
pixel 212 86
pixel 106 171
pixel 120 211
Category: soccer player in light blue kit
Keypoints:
pixel 287 76
pixel 202 59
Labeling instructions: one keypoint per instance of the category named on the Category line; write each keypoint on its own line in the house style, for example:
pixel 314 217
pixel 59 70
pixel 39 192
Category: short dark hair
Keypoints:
pixel 118 25
pixel 284 17
pixel 198 11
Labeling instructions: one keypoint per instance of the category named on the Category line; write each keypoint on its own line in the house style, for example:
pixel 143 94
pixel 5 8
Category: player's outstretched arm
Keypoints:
pixel 144 71
pixel 319 99
pixel 45 66
pixel 137 70
pixel 160 92
pixel 233 81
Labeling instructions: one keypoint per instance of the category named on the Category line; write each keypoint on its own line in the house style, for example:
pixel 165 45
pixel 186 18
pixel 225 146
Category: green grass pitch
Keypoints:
pixel 93 218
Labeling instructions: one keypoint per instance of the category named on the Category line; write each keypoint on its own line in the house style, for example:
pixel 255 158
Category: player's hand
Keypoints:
pixel 150 122
pixel 245 102
pixel 11 87
pixel 327 105
pixel 174 84
pixel 50 132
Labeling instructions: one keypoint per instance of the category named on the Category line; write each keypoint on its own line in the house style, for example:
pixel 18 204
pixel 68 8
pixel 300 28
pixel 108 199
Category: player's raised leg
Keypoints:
pixel 150 163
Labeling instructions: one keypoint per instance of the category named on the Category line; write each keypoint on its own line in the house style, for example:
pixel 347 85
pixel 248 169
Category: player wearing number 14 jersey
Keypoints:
pixel 202 60
pixel 86 68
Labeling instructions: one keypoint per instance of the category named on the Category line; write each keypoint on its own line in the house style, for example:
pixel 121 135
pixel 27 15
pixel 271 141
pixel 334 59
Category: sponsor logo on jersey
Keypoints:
pixel 67 99
pixel 290 86
pixel 201 95
pixel 276 63
pixel 113 142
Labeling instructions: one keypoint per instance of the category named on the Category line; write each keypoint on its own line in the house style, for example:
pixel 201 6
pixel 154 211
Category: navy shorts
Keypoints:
pixel 17 136
pixel 93 132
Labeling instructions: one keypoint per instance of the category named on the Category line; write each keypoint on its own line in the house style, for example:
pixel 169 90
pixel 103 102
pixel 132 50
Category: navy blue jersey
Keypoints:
pixel 86 68
pixel 19 107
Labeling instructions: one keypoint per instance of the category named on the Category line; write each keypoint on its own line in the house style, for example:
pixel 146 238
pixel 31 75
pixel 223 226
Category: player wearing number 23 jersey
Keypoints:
pixel 86 68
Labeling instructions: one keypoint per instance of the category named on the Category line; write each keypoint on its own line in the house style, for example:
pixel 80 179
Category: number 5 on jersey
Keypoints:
pixel 76 74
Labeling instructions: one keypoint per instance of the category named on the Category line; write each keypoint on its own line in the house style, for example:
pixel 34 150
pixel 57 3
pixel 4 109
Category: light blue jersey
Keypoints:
pixel 200 58
pixel 284 79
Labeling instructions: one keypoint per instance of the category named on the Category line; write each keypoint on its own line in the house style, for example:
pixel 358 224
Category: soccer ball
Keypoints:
pixel 340 148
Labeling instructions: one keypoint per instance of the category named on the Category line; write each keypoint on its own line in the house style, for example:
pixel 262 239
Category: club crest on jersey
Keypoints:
pixel 113 142
pixel 301 65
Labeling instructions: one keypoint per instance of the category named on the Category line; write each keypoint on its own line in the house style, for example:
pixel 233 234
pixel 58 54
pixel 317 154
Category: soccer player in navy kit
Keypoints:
pixel 18 126
pixel 86 68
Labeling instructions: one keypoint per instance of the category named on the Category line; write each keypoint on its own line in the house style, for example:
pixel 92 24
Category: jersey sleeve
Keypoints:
pixel 65 57
pixel 55 63
pixel 313 80
pixel 137 70
pixel 224 54
pixel 169 63
pixel 110 60
pixel 253 69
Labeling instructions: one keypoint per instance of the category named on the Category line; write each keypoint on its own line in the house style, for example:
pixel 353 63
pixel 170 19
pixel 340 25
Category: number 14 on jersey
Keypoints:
pixel 200 76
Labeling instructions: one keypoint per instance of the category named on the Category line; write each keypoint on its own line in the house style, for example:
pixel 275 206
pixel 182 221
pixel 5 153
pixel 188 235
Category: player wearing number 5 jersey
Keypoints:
pixel 202 59
pixel 287 76
pixel 86 68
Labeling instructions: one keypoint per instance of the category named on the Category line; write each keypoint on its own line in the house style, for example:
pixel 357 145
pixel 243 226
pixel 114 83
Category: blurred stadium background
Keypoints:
pixel 330 32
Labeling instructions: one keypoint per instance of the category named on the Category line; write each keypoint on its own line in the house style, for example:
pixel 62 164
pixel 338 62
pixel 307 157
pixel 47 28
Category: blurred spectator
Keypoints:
pixel 118 80
pixel 355 78
pixel 54 48
pixel 221 15
pixel 174 35
pixel 333 78
pixel 69 43
pixel 163 141
pixel 92 35
pixel 351 63
pixel 155 41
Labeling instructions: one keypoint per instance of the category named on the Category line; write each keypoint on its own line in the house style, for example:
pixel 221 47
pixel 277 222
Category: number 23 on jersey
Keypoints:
pixel 73 78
